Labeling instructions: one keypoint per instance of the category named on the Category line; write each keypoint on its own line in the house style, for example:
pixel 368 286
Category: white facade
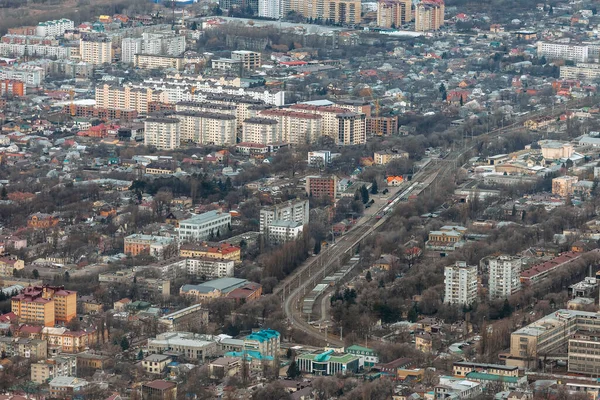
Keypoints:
pixel 203 226
pixel 207 128
pixel 292 211
pixel 460 282
pixel 129 48
pixel 31 76
pixel 162 133
pixel 322 157
pixel 580 71
pixel 570 52
pixel 260 130
pixel 269 8
pixel 209 268
pixel 283 231
pixel 96 51
pixel 54 28
pixel 504 279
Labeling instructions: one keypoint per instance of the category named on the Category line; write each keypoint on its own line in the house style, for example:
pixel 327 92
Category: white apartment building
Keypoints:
pixel 154 61
pixel 127 97
pixel 460 282
pixel 96 50
pixel 260 130
pixel 250 59
pixel 31 76
pixel 207 128
pixel 129 48
pixel 165 43
pixel 209 268
pixel 35 50
pixel 346 128
pixel 504 276
pixel 54 28
pixel 563 51
pixel 204 226
pixel 584 71
pixel 162 133
pixel 270 8
pixel 295 127
pixel 321 157
pixel 291 211
pixel 283 231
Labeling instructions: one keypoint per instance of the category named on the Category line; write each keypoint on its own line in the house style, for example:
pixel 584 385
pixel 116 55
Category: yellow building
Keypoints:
pixel 423 342
pixel 45 305
pixel 564 185
pixel 429 15
pixel 220 251
pixel 96 50
pixel 383 157
pixel 393 13
pixel 338 11
pixel 151 61
pixel 9 264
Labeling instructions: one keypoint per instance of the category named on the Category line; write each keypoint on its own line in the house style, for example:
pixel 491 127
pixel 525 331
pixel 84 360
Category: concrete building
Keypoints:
pixel 213 289
pixel 129 48
pixel 34 349
pixel 250 60
pixel 328 363
pixel 67 387
pixel 226 64
pixel 207 128
pixel 563 51
pixel 291 211
pixel 295 127
pixel 156 363
pixel 54 28
pixel 564 185
pixel 460 282
pixel 279 232
pixel 368 356
pixel 266 341
pixel 191 346
pixel 343 126
pixel 322 186
pixel 96 50
pixel 203 226
pixel 504 276
pixel 45 305
pixel 553 150
pixel 157 61
pixel 393 13
pixel 261 130
pixel 383 157
pixel 151 244
pixel 429 15
pixel 162 133
pixel 270 8
pixel 159 390
pixel 209 268
pixel 217 251
pixel 46 370
pixel 584 71
pixel 463 368
pixel 192 316
pixel 319 158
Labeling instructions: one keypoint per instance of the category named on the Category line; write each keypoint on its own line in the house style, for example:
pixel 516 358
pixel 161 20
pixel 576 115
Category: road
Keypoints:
pixel 293 289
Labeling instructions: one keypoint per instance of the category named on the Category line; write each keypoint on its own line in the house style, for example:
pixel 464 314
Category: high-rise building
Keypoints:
pixel 96 50
pixel 270 8
pixel 162 133
pixel 295 127
pixel 337 11
pixel 129 48
pixel 291 211
pixel 260 130
pixel 393 13
pixel 45 305
pixel 322 186
pixel 429 15
pixel 563 51
pixel 54 28
pixel 504 276
pixel 207 128
pixel 460 280
pixel 343 126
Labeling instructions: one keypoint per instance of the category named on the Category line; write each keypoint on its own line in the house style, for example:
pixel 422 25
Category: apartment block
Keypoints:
pixel 295 127
pixel 162 133
pixel 322 158
pixel 157 61
pixel 217 251
pixel 209 268
pixel 564 185
pixel 62 340
pixel 343 126
pixel 54 28
pixel 584 71
pixel 30 75
pixel 267 342
pixel 115 97
pixel 34 349
pixel 321 186
pixel 203 226
pixel 261 130
pixel 279 232
pixel 504 276
pixel 96 50
pixel 207 127
pixel 66 387
pixel 540 272
pixel 151 244
pixel 250 60
pixel 460 282
pixel 563 51
pixel 291 211
pixel 192 346
pixel 45 305
pixel 383 157
pixel 45 370
pixel 393 13
pixel 429 15
pixel 382 126
pixel 270 8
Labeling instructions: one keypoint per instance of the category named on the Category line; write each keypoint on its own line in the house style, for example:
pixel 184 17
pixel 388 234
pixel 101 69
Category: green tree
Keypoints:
pixel 364 194
pixel 67 276
pixel 374 189
pixel 3 193
pixel 368 276
pixel 506 309
pixel 293 370
pixel 317 248
pixel 35 273
pixel 413 315
pixel 124 343
pixel 140 355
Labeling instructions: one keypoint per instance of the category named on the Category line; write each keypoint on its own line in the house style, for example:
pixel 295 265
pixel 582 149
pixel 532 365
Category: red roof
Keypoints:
pixel 548 265
pixel 160 384
pixel 9 317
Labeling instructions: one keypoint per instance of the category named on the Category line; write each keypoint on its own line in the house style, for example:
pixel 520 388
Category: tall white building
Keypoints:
pixel 505 274
pixel 129 48
pixel 162 133
pixel 204 226
pixel 96 50
pixel 54 28
pixel 207 128
pixel 270 8
pixel 460 280
pixel 291 211
pixel 563 51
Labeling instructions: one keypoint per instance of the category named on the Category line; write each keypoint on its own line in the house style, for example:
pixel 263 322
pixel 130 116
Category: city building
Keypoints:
pixel 200 227
pixel 208 128
pixel 320 158
pixel 185 319
pixel 382 126
pixel 212 289
pixel 456 388
pixel 54 28
pixel 12 87
pixel 429 15
pixel 217 251
pixel 191 346
pixel 66 387
pixel 563 51
pixel 30 75
pixel 42 221
pixel 393 13
pixel 382 157
pixel 159 390
pixel 267 342
pixel 46 370
pixel 162 133
pixel 446 239
pixel 10 264
pixel 564 185
pixel 328 363
pixel 504 276
pixel 226 64
pixel 291 211
pixel 157 61
pixel 96 50
pixel 583 71
pixel 250 59
pixel 279 232
pixel 540 272
pixel 156 363
pixel 261 130
pixel 460 282
pixel 295 127
pixel 93 362
pixel 344 126
pixel 155 246
pixel 45 305
pixel 62 340
pixel 209 268
pixel 322 186
pixel 553 150
pixel 368 356
pixel 463 368
pixel 270 8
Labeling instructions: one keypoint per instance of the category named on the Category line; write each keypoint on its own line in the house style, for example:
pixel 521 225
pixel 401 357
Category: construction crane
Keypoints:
pixel 72 105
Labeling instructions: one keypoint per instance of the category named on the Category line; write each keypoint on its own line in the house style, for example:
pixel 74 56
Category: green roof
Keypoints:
pixel 356 348
pixel 492 377
pixel 339 358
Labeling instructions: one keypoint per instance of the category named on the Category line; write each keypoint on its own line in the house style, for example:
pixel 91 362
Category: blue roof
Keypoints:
pixel 324 356
pixel 249 355
pixel 263 335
